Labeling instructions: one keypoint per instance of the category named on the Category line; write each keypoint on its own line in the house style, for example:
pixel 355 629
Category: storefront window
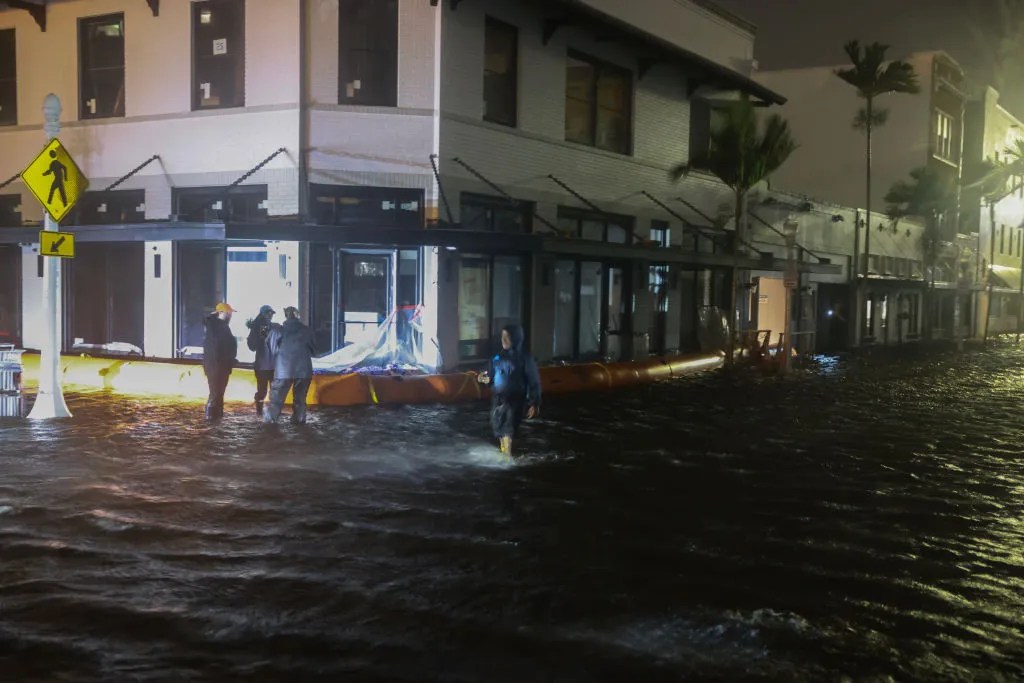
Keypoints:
pixel 201 278
pixel 590 308
pixel 474 285
pixel 105 310
pixel 10 294
pixel 564 344
pixel 490 297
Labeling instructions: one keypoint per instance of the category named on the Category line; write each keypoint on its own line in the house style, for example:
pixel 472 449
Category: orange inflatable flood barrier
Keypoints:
pixel 187 380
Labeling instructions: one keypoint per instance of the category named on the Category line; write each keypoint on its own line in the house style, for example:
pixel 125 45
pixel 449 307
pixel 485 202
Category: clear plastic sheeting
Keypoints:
pixel 400 345
pixel 111 348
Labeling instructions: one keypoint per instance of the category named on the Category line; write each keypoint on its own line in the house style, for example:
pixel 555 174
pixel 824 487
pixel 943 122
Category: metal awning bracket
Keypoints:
pixel 36 9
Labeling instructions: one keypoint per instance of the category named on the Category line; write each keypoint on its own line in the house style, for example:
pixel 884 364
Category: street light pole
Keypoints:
pixel 50 396
pixel 791 282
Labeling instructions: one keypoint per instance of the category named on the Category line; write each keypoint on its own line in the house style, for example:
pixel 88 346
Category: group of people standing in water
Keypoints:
pixel 284 361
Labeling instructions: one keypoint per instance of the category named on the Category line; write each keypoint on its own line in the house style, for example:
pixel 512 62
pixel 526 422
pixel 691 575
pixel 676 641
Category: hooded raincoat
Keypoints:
pixel 515 385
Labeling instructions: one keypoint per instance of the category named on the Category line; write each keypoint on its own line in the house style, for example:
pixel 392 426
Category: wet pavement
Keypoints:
pixel 860 522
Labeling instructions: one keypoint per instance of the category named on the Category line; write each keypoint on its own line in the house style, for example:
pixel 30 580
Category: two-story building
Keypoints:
pixel 477 163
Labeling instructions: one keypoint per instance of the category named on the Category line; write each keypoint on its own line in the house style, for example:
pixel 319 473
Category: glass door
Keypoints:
pixel 201 282
pixel 366 293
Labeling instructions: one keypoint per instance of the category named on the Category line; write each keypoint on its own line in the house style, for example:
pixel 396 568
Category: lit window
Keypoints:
pixel 944 136
pixel 218 54
pixel 660 233
pixel 8 79
pixel 101 66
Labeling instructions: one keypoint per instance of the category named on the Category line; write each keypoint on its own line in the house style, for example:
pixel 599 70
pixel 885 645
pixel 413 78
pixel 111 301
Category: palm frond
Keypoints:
pixel 742 152
pixel 879 117
pixel 871 76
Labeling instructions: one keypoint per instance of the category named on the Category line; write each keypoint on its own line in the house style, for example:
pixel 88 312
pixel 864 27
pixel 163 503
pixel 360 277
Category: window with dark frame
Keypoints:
pixel 242 204
pixel 101 66
pixel 218 54
pixel 661 233
pixel 501 72
pixel 494 214
pixel 10 211
pixel 592 225
pixel 8 79
pixel 492 294
pixel 368 52
pixel 362 206
pixel 110 207
pixel 598 104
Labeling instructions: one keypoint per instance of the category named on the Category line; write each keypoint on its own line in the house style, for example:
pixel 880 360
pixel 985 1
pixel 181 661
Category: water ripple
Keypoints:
pixel 861 521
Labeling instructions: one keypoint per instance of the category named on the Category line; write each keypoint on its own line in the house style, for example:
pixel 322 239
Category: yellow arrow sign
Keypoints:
pixel 61 244
pixel 55 180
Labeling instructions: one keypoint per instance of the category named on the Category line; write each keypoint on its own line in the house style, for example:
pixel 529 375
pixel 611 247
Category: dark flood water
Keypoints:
pixel 862 522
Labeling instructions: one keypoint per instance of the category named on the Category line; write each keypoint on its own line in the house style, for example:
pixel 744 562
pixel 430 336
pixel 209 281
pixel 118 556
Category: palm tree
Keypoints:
pixel 929 196
pixel 872 77
pixel 741 153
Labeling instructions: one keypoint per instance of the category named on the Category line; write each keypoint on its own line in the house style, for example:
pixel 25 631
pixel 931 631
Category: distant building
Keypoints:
pixel 923 130
pixel 989 131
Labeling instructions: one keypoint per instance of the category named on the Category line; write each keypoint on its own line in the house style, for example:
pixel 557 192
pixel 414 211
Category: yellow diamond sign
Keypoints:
pixel 55 180
pixel 60 244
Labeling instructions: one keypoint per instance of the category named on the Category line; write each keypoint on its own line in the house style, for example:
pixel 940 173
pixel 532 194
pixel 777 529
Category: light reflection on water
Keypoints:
pixel 864 520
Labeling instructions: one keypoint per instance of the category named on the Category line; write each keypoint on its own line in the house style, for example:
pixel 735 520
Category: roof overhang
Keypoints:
pixel 701 71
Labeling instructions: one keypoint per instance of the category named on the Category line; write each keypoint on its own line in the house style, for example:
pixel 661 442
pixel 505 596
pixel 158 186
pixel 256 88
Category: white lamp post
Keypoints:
pixel 50 396
pixel 791 281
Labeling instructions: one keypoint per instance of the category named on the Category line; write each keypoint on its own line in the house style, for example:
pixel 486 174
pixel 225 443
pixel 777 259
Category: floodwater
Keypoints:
pixel 862 521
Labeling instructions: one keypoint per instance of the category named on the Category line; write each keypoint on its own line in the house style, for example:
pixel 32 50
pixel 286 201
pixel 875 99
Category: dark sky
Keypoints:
pixel 812 32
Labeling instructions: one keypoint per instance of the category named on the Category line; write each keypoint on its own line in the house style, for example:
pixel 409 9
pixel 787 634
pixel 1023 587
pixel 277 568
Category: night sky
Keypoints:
pixel 812 32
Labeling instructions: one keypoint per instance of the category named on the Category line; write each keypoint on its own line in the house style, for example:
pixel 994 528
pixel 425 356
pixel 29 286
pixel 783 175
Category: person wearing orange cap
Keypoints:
pixel 219 351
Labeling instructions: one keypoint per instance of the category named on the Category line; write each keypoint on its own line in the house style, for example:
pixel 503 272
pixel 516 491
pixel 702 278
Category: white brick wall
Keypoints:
pixel 520 159
pixel 159 120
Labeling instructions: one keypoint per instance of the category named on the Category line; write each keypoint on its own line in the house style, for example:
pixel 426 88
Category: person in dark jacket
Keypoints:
pixel 292 347
pixel 259 341
pixel 515 387
pixel 219 351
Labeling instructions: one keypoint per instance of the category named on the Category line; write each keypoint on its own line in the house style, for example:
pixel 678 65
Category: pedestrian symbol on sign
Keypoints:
pixel 59 172
pixel 53 175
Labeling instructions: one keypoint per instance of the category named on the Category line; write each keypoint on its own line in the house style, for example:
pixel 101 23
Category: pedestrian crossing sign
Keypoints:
pixel 55 180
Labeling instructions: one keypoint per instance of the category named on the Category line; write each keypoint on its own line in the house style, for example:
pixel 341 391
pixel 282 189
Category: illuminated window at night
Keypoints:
pixel 598 104
pixel 243 204
pixel 501 57
pixel 660 233
pixel 591 225
pixel 218 54
pixel 368 52
pixel 494 214
pixel 101 64
pixel 8 79
pixel 10 210
pixel 358 206
pixel 944 136
pixel 110 208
